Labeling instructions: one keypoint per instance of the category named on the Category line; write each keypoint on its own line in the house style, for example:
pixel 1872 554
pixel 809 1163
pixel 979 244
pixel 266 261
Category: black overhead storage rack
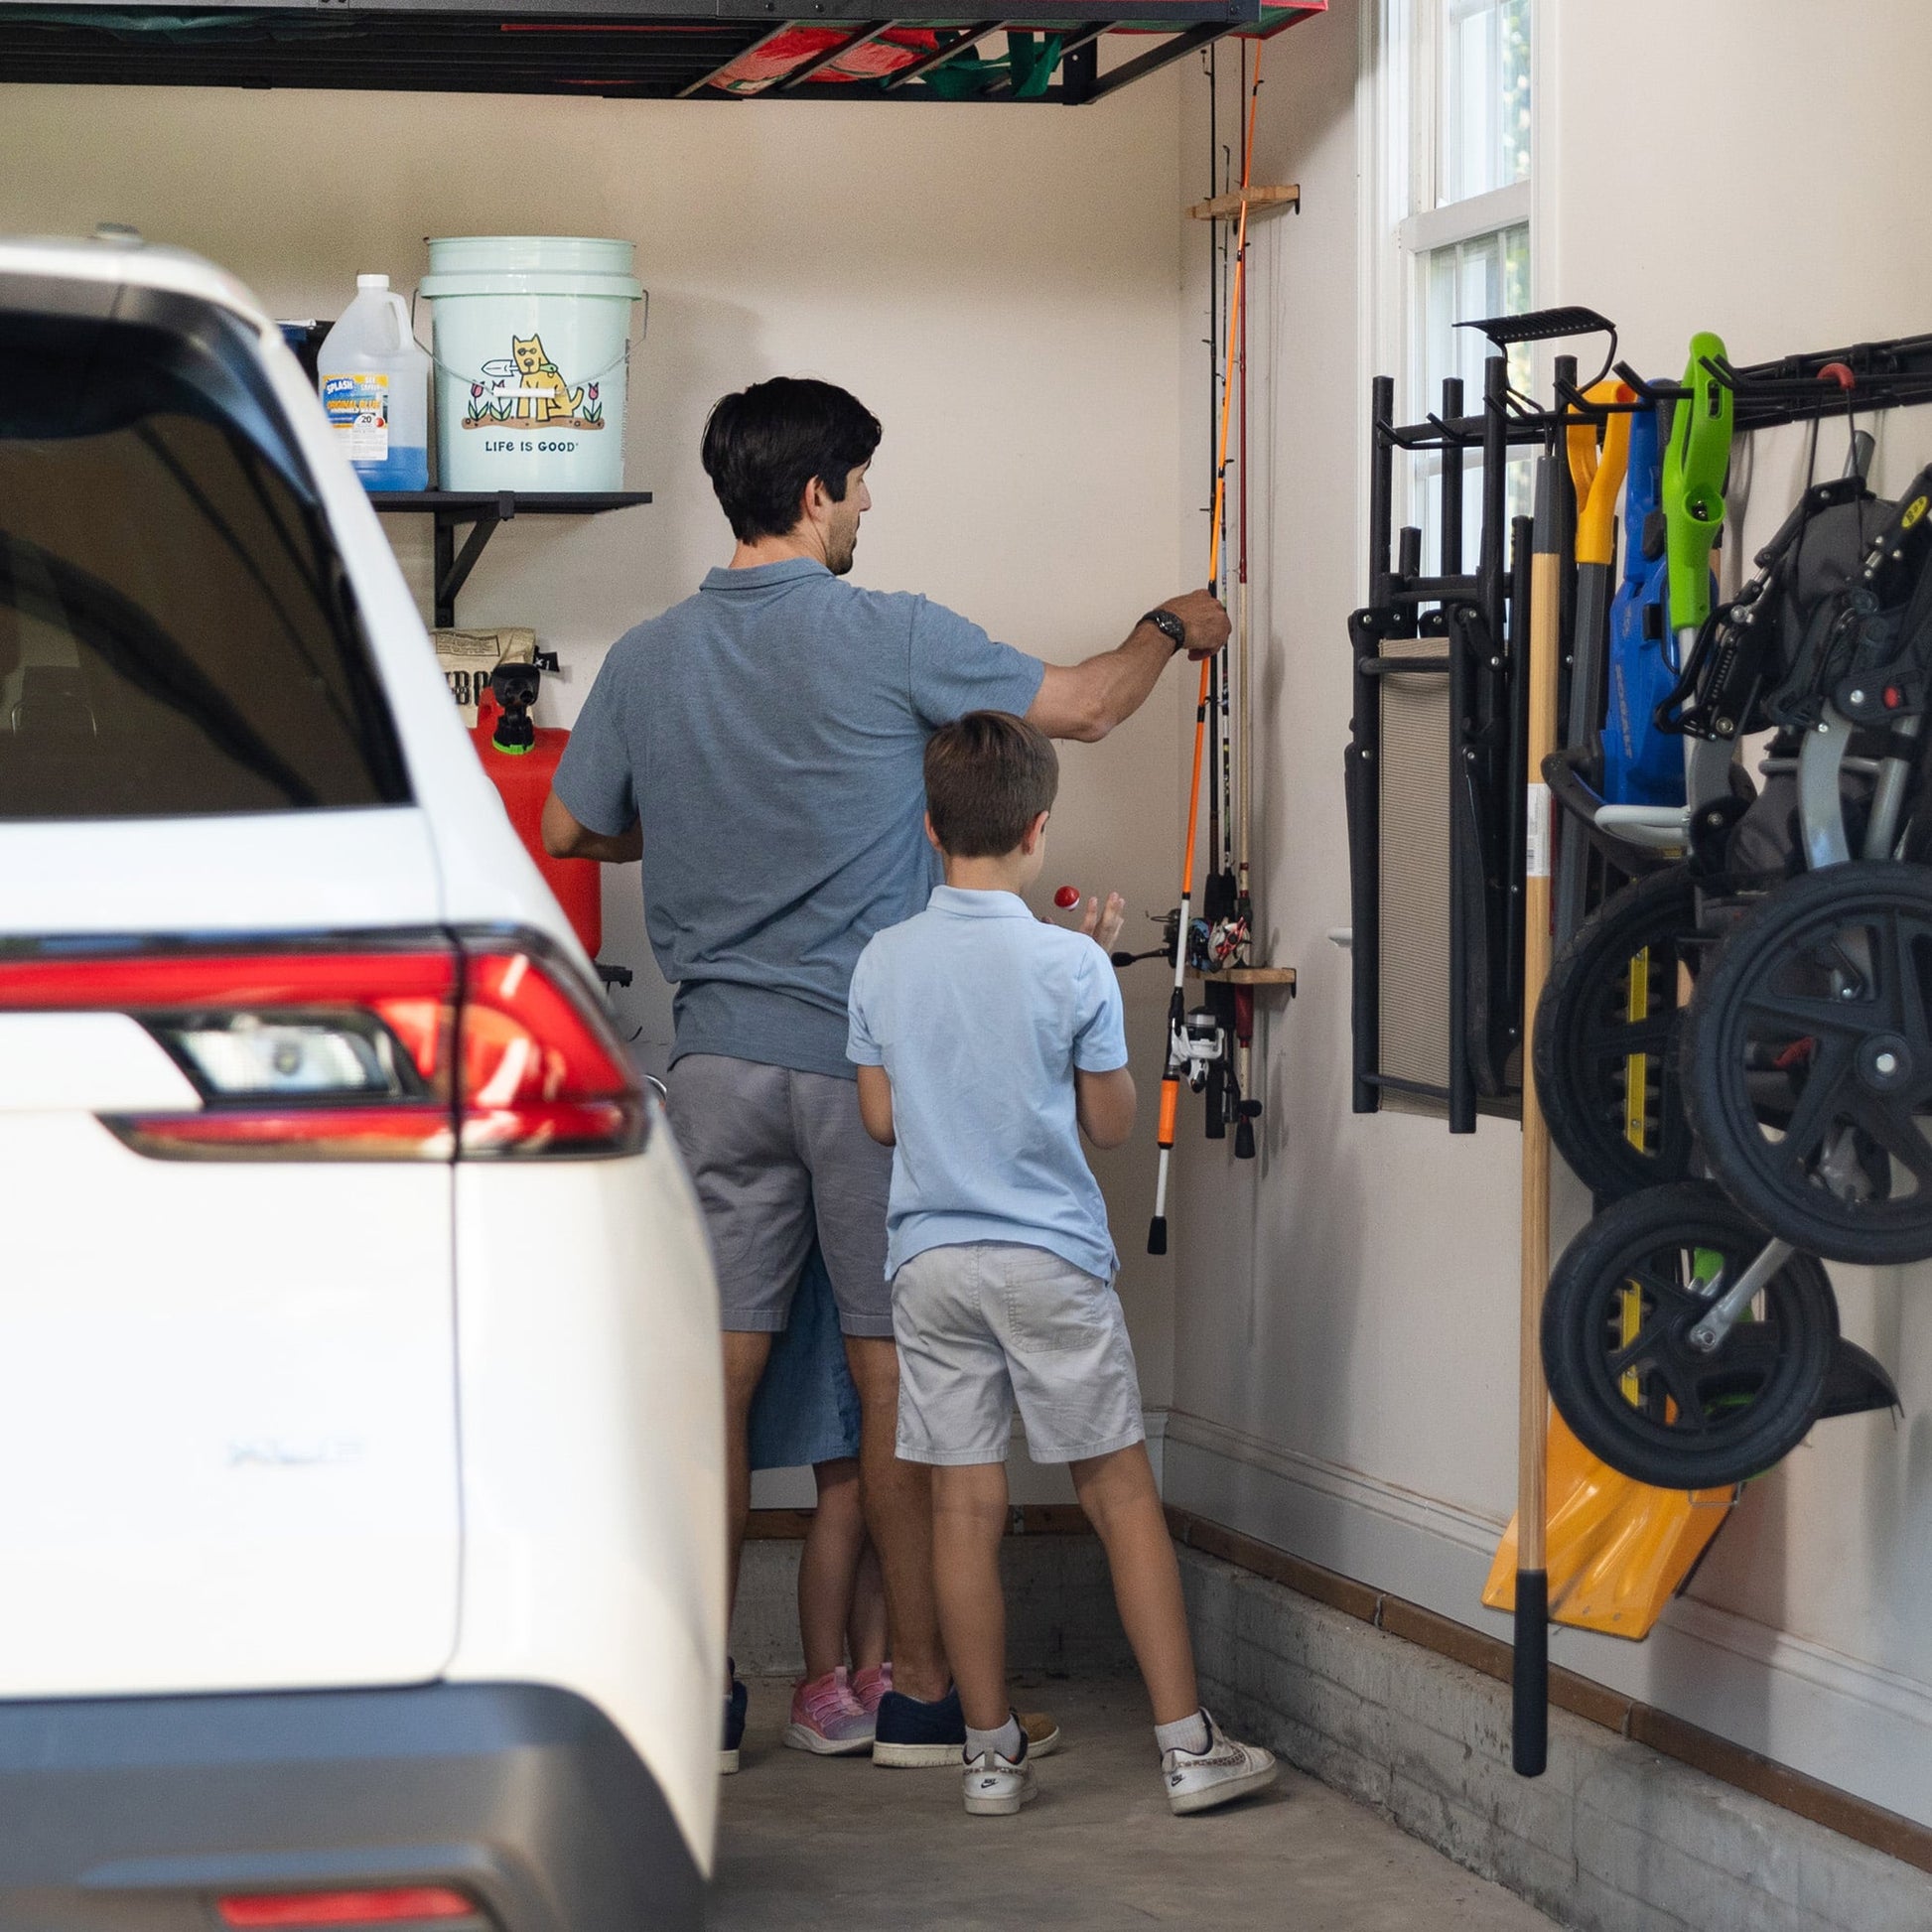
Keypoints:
pixel 640 49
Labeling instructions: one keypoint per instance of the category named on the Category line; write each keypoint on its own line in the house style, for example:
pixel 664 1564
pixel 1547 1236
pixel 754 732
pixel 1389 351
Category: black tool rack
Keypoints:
pixel 485 511
pixel 638 49
pixel 1471 630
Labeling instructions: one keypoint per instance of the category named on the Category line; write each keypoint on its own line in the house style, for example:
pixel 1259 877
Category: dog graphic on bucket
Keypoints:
pixel 527 387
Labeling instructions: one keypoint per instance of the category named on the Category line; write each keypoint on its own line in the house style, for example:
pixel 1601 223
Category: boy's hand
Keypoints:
pixel 1103 924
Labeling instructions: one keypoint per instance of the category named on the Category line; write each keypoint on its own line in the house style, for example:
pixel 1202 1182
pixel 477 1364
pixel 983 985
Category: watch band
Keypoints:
pixel 1169 627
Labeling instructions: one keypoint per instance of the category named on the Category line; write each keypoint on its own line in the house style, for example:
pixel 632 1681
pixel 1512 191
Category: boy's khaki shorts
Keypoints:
pixel 987 1323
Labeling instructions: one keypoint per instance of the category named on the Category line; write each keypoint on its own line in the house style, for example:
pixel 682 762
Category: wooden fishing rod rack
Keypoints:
pixel 1436 766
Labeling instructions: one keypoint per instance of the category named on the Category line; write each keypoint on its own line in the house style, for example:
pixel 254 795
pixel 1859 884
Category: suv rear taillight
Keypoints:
pixel 434 1047
pixel 395 1906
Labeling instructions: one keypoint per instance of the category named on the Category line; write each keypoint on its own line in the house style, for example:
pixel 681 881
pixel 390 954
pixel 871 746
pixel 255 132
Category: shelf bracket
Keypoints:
pixel 453 567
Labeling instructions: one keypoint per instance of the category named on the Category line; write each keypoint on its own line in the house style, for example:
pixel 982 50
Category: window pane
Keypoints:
pixel 1484 115
pixel 175 634
pixel 1469 281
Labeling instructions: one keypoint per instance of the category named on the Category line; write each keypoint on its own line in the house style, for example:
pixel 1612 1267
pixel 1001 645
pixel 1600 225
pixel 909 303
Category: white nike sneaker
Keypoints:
pixel 1224 1772
pixel 997 1786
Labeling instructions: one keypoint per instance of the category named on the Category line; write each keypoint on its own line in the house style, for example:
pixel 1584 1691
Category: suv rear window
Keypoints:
pixel 177 635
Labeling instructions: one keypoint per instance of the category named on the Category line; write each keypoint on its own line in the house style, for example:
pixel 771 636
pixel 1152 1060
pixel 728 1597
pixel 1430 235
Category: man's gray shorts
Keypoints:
pixel 988 1323
pixel 776 1156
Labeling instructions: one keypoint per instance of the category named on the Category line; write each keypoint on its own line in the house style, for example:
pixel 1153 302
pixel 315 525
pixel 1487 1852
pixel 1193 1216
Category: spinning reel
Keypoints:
pixel 1201 1040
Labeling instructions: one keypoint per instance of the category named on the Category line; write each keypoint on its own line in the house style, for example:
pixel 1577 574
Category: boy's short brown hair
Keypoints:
pixel 987 777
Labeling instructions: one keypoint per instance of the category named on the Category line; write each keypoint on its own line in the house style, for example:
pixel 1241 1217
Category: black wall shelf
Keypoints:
pixel 485 511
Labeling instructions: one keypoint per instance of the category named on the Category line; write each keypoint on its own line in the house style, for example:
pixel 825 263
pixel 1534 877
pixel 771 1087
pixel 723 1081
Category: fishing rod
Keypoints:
pixel 1196 1041
pixel 1242 924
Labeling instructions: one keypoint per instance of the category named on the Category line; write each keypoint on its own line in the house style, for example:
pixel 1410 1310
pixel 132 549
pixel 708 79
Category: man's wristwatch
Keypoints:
pixel 1169 626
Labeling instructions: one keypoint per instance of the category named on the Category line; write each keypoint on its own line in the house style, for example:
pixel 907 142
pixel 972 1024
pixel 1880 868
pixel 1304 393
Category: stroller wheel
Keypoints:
pixel 1605 1040
pixel 1807 1064
pixel 1626 1374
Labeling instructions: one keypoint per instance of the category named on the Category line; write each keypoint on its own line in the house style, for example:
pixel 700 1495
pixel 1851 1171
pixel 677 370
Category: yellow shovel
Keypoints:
pixel 1616 1552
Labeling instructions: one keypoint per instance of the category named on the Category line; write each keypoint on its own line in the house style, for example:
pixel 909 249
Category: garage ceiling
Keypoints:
pixel 646 50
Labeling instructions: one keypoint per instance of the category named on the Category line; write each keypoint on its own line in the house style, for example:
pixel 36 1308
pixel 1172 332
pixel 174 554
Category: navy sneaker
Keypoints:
pixel 916 1735
pixel 733 1728
pixel 910 1733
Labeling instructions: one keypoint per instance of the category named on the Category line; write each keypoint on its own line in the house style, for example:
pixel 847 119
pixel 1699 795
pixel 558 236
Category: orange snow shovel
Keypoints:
pixel 1616 1551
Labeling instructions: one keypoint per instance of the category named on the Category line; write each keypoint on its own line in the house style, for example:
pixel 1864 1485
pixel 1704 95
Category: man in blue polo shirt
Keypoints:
pixel 759 748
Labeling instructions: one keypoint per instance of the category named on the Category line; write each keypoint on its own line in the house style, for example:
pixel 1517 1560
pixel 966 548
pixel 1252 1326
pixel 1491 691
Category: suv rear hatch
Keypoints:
pixel 226 1383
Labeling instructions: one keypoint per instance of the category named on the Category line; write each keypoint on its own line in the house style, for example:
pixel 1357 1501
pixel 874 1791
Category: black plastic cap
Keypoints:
pixel 1244 1140
pixel 1529 1678
pixel 1157 1235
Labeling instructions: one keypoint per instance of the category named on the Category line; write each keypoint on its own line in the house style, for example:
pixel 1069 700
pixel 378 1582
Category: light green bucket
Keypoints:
pixel 532 342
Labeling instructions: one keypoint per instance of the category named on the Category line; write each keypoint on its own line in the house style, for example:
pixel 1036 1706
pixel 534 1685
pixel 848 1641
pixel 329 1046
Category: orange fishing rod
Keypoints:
pixel 1183 1050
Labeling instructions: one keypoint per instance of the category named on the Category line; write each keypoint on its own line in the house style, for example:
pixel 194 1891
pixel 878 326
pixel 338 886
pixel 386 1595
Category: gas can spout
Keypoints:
pixel 515 687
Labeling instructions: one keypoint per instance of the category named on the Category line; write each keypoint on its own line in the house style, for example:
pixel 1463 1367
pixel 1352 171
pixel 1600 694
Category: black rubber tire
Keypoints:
pixel 1765 1380
pixel 1766 1045
pixel 1581 1043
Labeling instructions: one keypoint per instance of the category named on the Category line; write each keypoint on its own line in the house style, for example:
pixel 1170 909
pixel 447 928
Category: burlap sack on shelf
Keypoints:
pixel 467 658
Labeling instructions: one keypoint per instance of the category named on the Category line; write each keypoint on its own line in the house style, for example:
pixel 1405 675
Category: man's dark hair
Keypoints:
pixel 764 445
pixel 987 777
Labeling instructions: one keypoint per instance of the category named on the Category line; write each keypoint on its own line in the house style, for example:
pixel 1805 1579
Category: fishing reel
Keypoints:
pixel 1196 1044
pixel 1216 945
pixel 1170 923
pixel 1213 944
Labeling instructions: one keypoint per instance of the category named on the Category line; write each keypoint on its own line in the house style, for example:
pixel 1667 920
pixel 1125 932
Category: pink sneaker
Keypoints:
pixel 871 1684
pixel 827 1719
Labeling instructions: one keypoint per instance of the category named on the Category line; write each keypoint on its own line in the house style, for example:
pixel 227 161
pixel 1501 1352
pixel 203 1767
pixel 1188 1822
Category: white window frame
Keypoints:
pixel 1398 96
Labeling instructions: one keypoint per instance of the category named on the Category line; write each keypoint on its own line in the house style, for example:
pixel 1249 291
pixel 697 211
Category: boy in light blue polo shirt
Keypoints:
pixel 986 1041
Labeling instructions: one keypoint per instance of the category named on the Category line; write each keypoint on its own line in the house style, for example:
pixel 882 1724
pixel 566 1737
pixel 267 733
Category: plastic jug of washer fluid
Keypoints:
pixel 375 382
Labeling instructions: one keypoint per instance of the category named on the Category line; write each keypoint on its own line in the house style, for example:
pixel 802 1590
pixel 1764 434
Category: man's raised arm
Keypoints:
pixel 1086 701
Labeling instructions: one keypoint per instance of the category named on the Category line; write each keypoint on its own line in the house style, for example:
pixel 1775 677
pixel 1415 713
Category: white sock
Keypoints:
pixel 1005 1740
pixel 1189 1735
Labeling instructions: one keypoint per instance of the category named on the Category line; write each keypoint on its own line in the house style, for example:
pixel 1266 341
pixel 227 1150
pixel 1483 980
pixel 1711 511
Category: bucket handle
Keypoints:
pixel 464 376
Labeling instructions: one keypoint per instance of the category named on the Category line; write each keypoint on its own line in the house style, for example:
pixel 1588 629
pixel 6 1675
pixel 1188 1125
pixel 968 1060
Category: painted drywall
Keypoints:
pixel 998 284
pixel 1345 1309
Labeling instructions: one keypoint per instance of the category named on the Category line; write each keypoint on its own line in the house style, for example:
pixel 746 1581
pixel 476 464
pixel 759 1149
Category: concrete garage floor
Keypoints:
pixel 832 1842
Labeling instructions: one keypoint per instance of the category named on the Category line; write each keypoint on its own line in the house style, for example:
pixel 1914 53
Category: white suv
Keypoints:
pixel 360 1449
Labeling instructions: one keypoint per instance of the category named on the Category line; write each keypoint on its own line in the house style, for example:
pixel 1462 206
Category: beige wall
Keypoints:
pixel 997 283
pixel 1345 1312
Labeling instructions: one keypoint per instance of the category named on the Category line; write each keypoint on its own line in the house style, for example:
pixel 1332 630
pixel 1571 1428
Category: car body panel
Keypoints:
pixel 342 1424
pixel 252 1481
pixel 251 873
pixel 593 1444
pixel 137 1813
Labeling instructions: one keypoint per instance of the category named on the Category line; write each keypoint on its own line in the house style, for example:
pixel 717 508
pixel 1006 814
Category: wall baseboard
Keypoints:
pixel 1614 1837
pixel 1834 1721
pixel 1060 1616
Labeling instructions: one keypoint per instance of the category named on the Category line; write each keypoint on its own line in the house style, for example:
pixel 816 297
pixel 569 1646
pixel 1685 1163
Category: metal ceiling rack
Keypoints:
pixel 639 50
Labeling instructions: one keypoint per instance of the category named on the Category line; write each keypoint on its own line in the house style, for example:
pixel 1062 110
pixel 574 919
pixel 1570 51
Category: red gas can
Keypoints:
pixel 522 778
